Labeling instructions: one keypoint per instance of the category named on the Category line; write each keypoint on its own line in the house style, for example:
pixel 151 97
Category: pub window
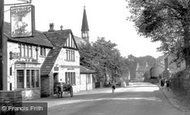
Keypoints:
pixel 33 78
pixel 42 51
pixel 28 83
pixel 20 47
pixel 31 51
pixel 20 78
pixel 26 50
pixel 10 71
pixel 37 78
pixel 22 50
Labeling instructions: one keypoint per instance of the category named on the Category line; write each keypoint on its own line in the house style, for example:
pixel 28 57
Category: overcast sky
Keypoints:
pixel 106 18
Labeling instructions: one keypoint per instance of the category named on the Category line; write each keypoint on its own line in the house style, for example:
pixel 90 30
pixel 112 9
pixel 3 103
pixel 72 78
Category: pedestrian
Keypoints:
pixel 162 82
pixel 113 86
pixel 167 84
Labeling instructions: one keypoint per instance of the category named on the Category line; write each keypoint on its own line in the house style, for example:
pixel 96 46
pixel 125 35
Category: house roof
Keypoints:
pixel 84 22
pixel 50 61
pixel 84 70
pixel 59 37
pixel 38 37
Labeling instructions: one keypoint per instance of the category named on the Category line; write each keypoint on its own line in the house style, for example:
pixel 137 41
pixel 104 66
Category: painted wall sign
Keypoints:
pixel 22 20
pixel 14 55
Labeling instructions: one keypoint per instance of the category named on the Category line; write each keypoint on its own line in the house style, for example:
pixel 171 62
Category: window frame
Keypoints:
pixel 23 84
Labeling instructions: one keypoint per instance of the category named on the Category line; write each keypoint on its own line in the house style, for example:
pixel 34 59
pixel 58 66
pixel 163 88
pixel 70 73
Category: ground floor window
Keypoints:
pixel 20 78
pixel 70 78
pixel 31 80
pixel 88 78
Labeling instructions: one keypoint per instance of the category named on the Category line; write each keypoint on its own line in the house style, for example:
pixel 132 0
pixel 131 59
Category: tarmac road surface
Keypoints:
pixel 136 99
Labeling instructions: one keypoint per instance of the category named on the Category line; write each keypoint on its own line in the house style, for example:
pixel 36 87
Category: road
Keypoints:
pixel 138 99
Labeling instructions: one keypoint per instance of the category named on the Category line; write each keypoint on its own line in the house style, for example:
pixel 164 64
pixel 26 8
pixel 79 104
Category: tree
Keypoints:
pixel 103 57
pixel 167 21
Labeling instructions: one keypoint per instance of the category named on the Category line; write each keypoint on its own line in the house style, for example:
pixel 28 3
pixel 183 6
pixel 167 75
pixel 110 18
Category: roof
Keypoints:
pixel 84 70
pixel 50 61
pixel 84 22
pixel 79 40
pixel 38 37
pixel 58 37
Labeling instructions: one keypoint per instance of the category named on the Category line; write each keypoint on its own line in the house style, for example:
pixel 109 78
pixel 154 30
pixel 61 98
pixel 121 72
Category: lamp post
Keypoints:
pixel 1 42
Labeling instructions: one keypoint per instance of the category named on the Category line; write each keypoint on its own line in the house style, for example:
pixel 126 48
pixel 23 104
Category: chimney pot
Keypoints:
pixel 61 27
pixel 51 27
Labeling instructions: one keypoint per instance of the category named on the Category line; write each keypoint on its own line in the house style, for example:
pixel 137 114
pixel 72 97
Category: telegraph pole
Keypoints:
pixel 1 42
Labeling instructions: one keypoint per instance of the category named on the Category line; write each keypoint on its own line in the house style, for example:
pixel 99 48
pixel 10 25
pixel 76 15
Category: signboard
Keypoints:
pixel 14 55
pixel 22 21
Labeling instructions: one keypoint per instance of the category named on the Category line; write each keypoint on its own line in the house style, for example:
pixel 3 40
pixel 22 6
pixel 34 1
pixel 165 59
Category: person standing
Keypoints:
pixel 113 86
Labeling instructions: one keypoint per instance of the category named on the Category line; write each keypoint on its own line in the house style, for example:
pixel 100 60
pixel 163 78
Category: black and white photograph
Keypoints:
pixel 94 57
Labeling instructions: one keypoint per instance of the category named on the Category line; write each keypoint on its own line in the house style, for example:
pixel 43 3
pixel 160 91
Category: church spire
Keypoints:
pixel 85 28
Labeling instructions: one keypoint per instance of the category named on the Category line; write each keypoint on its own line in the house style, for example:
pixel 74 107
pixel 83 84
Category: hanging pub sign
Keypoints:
pixel 22 21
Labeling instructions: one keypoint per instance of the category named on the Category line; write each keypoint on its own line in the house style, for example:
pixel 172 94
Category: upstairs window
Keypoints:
pixel 70 55
pixel 26 51
pixel 42 51
pixel 70 42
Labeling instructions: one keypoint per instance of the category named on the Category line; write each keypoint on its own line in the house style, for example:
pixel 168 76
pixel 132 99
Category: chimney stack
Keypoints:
pixel 61 27
pixel 51 27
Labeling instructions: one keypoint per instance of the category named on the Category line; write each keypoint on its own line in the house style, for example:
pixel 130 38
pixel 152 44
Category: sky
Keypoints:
pixel 106 18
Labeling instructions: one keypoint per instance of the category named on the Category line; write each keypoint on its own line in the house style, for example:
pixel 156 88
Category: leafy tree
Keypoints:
pixel 167 21
pixel 103 57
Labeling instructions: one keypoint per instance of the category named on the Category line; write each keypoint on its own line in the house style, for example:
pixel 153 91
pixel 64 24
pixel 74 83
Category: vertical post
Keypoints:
pixel 1 42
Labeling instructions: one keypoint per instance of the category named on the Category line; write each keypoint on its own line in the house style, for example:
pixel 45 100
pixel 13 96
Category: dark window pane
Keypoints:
pixel 37 78
pixel 20 78
pixel 33 78
pixel 28 83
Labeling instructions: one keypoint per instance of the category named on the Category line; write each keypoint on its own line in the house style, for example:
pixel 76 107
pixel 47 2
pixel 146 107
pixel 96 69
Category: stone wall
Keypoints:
pixel 10 96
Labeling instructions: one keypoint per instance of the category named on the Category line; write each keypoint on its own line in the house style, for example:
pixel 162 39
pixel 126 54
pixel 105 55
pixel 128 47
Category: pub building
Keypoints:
pixel 25 57
pixel 36 60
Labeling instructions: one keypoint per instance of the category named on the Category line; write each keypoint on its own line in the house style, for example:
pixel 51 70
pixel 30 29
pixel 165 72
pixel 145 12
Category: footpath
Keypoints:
pixel 178 99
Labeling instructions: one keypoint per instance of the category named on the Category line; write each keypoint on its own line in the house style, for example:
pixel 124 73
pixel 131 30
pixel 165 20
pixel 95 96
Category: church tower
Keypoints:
pixel 84 28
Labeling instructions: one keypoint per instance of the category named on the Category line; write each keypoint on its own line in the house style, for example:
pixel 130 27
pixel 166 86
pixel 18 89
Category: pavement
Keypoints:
pixel 178 100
